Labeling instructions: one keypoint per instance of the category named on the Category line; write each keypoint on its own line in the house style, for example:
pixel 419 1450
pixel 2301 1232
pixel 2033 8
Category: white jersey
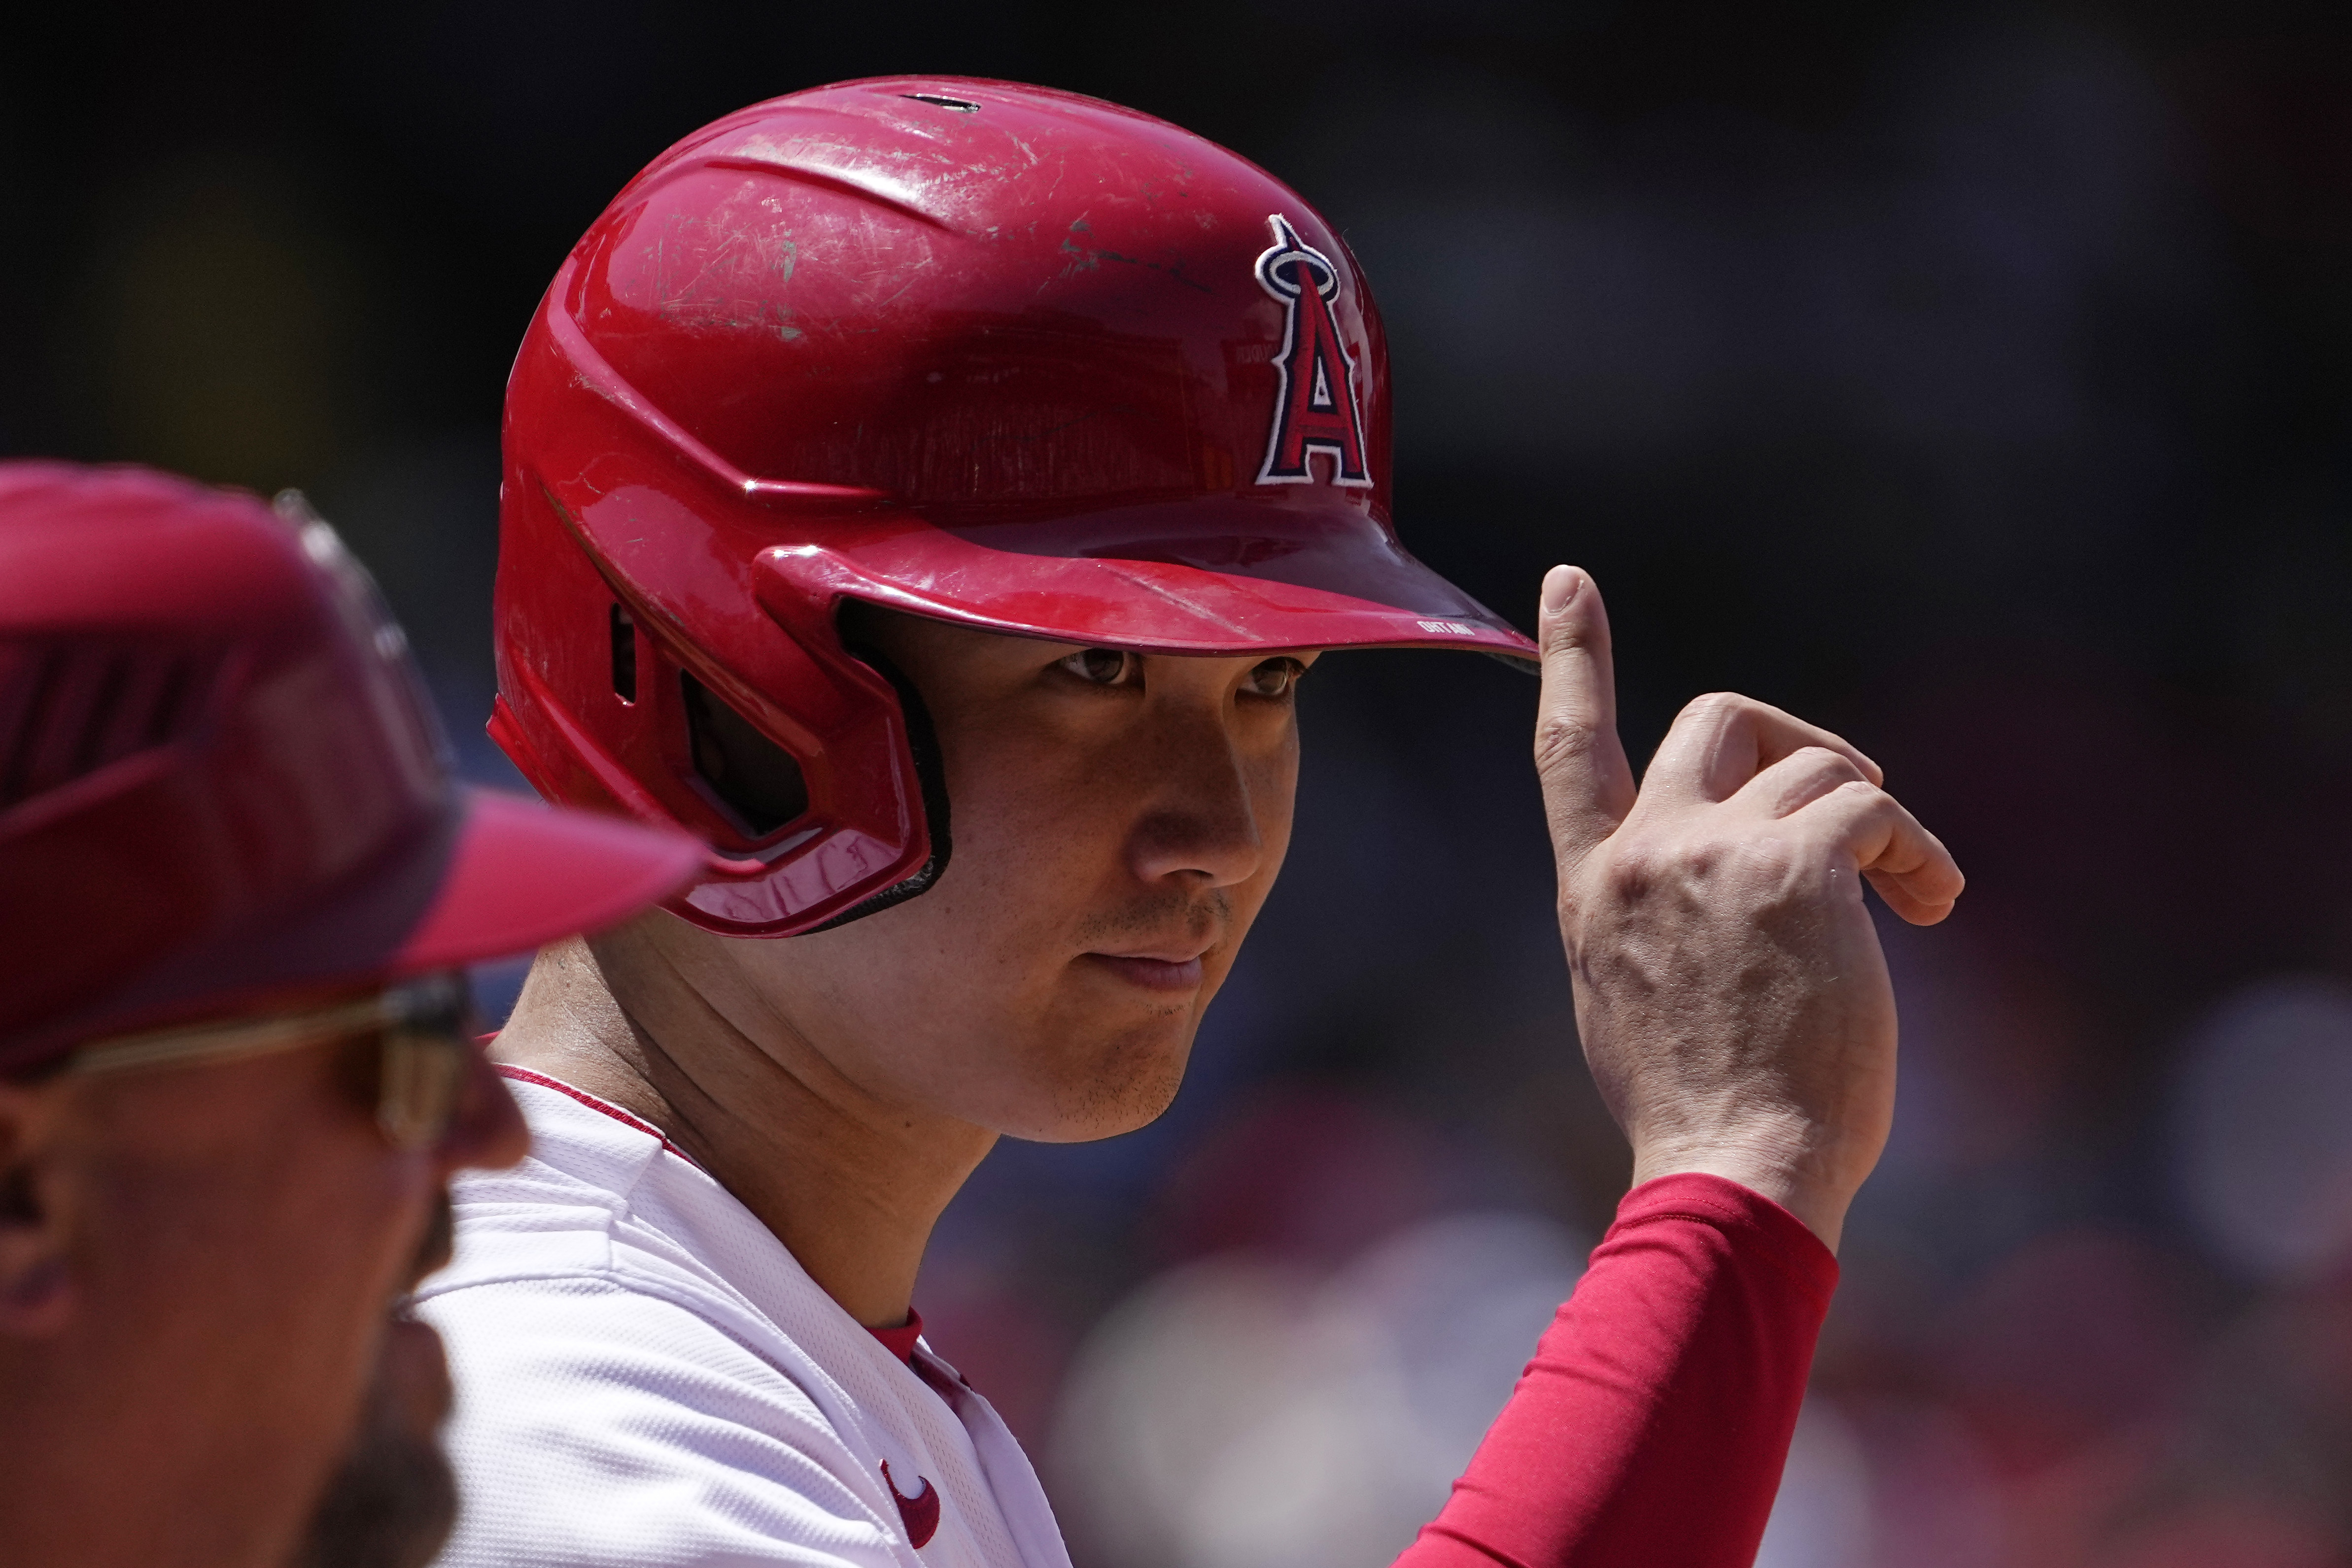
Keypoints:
pixel 645 1376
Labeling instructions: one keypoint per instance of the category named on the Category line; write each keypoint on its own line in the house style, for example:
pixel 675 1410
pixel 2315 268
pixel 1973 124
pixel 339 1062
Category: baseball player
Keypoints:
pixel 931 492
pixel 234 1071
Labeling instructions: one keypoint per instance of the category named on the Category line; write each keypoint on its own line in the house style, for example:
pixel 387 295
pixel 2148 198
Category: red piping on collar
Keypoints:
pixel 524 1075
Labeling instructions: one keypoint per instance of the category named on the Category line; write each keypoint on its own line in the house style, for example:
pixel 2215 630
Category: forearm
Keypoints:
pixel 1652 1426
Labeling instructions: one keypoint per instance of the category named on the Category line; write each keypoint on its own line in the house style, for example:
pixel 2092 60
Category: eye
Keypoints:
pixel 1105 667
pixel 1275 678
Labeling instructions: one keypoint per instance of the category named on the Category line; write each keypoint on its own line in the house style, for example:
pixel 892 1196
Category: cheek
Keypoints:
pixel 247 1239
pixel 970 954
pixel 1038 829
pixel 334 1247
pixel 290 1216
pixel 1014 787
pixel 1273 793
pixel 1274 798
pixel 996 926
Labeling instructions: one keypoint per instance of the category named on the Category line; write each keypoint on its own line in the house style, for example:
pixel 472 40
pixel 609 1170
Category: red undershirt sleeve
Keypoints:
pixel 1652 1426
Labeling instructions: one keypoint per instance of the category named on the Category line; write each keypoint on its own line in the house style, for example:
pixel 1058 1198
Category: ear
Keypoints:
pixel 36 1284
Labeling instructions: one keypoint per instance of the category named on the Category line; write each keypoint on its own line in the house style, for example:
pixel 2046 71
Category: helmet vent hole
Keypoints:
pixel 624 656
pixel 960 105
pixel 756 780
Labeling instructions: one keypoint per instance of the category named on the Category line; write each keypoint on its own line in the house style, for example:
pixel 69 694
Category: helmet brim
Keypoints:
pixel 1105 580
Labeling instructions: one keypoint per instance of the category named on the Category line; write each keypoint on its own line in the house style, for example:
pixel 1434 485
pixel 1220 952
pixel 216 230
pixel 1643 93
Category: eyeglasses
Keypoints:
pixel 419 1070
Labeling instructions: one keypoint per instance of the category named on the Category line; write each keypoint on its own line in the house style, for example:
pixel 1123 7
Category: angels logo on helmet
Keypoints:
pixel 1314 404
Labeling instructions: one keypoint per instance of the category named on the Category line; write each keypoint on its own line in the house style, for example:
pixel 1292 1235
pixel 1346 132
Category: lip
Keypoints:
pixel 1152 970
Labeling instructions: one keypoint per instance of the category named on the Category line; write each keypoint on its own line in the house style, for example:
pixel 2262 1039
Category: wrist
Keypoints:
pixel 1819 1204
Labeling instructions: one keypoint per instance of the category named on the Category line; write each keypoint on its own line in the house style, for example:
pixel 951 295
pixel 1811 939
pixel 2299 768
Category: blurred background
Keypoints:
pixel 1972 379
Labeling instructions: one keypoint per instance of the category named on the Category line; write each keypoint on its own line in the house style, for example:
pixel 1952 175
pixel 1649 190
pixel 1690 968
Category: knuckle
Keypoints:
pixel 1682 862
pixel 1570 908
pixel 1773 850
pixel 1561 742
pixel 1573 637
pixel 1717 704
pixel 1631 873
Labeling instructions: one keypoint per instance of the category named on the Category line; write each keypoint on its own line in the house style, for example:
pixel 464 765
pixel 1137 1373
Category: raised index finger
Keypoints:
pixel 1588 784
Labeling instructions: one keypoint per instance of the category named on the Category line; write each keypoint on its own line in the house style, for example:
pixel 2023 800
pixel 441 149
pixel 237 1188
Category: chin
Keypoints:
pixel 1127 1084
pixel 394 1500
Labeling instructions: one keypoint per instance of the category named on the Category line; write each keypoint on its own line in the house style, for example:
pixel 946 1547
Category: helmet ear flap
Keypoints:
pixel 758 782
pixel 930 772
pixel 794 760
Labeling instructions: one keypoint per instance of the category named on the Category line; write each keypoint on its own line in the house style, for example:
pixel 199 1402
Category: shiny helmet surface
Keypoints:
pixel 995 355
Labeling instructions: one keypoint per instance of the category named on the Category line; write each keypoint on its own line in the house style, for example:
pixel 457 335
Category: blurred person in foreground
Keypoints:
pixel 932 491
pixel 235 1069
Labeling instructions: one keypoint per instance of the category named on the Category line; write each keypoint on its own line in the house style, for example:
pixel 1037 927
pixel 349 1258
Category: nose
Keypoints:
pixel 488 1130
pixel 1200 826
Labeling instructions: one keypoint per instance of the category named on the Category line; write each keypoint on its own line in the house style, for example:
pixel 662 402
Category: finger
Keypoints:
pixel 1588 784
pixel 1721 741
pixel 1798 780
pixel 1908 865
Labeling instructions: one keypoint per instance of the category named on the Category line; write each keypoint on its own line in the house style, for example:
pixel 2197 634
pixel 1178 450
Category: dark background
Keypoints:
pixel 1971 379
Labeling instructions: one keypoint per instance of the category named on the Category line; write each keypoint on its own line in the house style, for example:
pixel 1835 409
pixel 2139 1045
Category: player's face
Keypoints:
pixel 1116 821
pixel 236 1232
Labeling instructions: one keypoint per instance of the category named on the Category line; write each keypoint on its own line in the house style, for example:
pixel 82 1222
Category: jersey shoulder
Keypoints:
pixel 596 1423
pixel 645 1374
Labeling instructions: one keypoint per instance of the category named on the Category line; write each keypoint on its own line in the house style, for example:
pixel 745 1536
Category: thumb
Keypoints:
pixel 1588 785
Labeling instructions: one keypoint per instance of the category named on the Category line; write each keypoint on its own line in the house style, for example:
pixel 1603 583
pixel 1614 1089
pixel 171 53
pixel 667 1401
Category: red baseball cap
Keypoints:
pixel 220 778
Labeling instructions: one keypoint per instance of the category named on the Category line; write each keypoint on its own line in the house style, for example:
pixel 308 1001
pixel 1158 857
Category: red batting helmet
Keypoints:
pixel 991 353
pixel 219 779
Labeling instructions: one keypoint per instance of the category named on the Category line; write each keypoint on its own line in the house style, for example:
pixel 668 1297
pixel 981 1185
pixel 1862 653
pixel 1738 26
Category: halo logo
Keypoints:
pixel 1314 408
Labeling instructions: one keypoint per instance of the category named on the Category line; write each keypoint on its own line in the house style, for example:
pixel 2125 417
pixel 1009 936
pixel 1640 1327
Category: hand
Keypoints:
pixel 1730 993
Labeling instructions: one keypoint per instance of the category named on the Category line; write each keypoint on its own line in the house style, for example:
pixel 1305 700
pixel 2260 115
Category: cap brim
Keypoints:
pixel 523 875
